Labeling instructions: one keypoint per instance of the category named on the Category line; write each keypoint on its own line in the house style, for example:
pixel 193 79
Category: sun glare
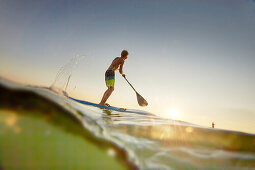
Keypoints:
pixel 174 113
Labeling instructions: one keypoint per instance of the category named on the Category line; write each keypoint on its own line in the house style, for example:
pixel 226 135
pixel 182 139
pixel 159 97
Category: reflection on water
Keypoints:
pixel 164 143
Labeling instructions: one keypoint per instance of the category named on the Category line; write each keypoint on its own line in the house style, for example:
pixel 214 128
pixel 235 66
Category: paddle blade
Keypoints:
pixel 141 100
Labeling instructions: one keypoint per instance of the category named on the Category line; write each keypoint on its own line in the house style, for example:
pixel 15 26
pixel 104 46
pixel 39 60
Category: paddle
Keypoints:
pixel 140 99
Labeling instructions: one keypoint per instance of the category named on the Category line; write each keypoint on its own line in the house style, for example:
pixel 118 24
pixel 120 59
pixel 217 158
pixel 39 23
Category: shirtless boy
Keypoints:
pixel 117 63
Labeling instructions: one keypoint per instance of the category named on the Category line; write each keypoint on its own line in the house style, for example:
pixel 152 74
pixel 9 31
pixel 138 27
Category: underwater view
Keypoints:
pixel 42 129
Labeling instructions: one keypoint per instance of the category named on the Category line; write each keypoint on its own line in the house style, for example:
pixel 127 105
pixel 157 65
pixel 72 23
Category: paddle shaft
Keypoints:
pixel 130 84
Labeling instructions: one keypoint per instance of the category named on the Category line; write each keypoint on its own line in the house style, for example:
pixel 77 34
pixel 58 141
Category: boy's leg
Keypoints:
pixel 106 95
pixel 103 98
pixel 109 81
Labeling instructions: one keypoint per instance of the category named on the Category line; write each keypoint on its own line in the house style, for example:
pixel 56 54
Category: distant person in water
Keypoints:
pixel 117 63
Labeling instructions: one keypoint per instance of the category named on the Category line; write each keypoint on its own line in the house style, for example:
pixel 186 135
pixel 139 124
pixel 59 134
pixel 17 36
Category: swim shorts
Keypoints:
pixel 109 78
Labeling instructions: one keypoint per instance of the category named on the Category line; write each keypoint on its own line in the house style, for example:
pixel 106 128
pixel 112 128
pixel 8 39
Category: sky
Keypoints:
pixel 192 60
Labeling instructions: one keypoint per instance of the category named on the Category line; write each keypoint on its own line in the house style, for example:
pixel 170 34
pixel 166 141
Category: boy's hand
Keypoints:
pixel 124 75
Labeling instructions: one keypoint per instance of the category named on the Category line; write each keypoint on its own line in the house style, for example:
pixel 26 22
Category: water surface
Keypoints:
pixel 152 142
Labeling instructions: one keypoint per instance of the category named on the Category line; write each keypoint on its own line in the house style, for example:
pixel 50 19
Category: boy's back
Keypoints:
pixel 116 63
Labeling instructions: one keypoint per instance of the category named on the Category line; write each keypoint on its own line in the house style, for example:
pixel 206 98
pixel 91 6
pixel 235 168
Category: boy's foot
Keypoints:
pixel 106 104
pixel 123 109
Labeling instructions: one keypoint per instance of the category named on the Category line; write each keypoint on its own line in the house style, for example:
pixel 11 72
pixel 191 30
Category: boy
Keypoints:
pixel 117 63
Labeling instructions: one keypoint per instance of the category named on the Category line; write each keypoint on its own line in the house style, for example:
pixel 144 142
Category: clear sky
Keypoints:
pixel 192 60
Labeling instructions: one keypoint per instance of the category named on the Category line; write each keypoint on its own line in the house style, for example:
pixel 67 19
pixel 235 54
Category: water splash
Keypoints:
pixel 65 72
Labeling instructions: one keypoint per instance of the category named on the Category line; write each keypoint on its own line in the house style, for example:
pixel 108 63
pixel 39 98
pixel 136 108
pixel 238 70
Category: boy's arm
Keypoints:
pixel 121 69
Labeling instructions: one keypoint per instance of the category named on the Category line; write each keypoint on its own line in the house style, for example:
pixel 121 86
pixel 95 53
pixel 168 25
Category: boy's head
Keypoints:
pixel 124 54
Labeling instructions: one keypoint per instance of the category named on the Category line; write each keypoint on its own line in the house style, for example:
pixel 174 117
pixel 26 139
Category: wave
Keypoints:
pixel 152 142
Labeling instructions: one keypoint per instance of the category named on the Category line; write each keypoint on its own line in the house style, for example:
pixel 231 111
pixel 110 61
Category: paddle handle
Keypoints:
pixel 130 84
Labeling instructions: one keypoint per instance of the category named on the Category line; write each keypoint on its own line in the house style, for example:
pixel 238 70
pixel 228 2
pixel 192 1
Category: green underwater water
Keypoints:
pixel 29 141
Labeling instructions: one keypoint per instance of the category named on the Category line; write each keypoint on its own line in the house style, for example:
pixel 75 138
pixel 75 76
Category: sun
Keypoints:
pixel 174 113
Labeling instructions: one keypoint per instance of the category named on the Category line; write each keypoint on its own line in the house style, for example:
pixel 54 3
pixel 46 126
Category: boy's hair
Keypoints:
pixel 124 53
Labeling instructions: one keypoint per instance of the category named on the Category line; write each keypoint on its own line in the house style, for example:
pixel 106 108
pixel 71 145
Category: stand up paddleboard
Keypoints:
pixel 96 105
pixel 107 107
